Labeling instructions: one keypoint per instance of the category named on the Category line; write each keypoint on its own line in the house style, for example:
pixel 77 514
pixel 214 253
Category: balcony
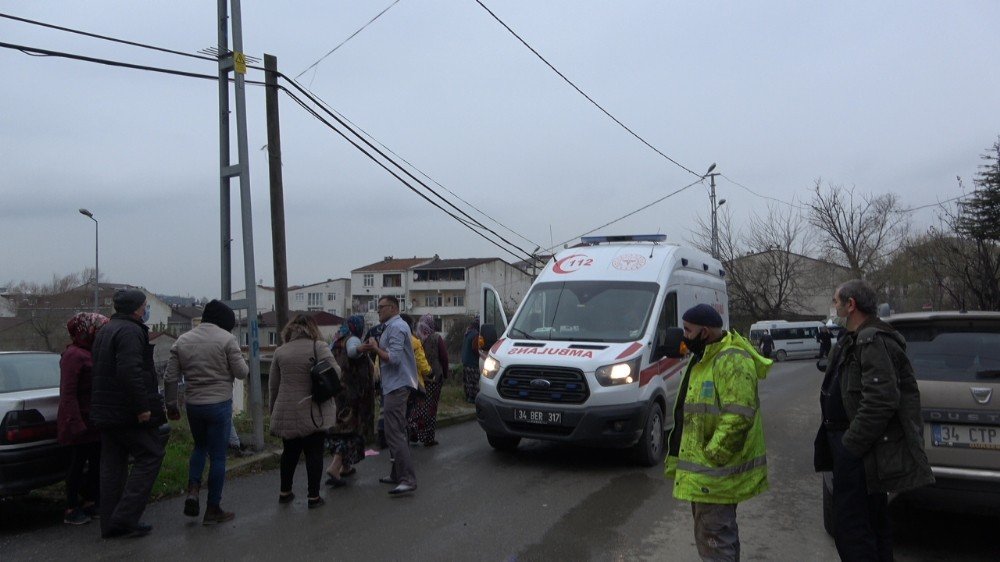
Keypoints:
pixel 438 310
pixel 438 285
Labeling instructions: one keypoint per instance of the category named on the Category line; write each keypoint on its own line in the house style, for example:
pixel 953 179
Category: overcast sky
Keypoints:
pixel 887 96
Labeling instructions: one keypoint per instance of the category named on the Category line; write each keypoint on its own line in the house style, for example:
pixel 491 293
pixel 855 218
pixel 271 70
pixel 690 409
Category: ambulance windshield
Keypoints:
pixel 592 311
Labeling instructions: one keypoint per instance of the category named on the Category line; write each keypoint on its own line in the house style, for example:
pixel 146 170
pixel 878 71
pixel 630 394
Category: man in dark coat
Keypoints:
pixel 825 339
pixel 766 344
pixel 871 436
pixel 128 410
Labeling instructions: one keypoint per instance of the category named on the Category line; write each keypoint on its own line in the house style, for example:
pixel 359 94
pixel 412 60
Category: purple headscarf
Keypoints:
pixel 425 327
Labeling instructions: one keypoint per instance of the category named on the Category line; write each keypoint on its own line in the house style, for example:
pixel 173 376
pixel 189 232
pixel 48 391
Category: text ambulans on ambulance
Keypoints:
pixel 583 359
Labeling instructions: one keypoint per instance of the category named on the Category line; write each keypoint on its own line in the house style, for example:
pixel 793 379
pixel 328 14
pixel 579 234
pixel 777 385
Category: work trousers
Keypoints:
pixel 715 531
pixel 124 493
pixel 861 520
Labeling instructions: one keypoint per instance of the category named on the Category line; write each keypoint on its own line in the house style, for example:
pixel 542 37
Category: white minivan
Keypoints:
pixel 583 359
pixel 792 340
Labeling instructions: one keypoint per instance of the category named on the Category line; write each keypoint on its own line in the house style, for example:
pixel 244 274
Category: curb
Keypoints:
pixel 269 459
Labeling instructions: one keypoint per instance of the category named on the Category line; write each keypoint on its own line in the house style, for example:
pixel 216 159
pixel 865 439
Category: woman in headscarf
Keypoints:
pixel 74 428
pixel 301 423
pixel 423 415
pixel 355 403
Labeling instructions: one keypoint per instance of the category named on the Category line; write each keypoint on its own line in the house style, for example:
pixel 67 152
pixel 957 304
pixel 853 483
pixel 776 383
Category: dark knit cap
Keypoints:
pixel 703 315
pixel 128 301
pixel 216 312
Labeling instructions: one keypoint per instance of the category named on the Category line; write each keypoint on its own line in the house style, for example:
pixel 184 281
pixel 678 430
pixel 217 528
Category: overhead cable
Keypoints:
pixel 351 36
pixel 585 95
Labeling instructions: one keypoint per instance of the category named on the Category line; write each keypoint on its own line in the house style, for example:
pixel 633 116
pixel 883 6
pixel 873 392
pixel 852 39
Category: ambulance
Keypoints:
pixel 584 359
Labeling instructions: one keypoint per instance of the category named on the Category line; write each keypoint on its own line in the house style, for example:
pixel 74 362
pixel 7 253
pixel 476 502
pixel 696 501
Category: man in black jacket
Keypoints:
pixel 871 436
pixel 128 410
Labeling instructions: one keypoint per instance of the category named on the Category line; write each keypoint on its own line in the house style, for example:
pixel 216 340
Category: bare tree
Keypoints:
pixel 860 232
pixel 768 274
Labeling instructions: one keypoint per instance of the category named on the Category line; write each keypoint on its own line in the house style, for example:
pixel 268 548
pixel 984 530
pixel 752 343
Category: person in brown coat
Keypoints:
pixel 301 423
pixel 73 420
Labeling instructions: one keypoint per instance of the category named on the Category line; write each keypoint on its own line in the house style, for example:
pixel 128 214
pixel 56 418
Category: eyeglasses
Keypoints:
pixel 381 306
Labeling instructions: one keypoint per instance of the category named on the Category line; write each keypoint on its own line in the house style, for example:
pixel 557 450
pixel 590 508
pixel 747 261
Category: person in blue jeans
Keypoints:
pixel 209 359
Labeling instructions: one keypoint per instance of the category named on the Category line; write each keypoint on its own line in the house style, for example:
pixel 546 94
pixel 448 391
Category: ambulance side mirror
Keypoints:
pixel 672 345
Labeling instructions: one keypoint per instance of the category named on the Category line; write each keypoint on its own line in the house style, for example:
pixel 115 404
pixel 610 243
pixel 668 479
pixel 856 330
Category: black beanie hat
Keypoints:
pixel 216 312
pixel 128 301
pixel 703 315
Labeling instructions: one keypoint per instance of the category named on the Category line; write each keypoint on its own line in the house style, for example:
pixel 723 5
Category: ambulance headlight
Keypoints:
pixel 491 367
pixel 619 373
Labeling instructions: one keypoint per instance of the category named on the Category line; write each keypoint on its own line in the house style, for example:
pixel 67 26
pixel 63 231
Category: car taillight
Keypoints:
pixel 25 426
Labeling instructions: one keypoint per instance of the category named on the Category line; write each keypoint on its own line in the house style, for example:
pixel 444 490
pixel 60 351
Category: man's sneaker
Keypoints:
pixel 76 517
pixel 214 514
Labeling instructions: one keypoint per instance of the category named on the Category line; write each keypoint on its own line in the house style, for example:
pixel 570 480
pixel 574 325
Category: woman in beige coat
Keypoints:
pixel 301 423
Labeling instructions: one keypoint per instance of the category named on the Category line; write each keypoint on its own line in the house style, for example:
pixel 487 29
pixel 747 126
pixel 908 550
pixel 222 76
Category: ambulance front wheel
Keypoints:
pixel 503 443
pixel 650 449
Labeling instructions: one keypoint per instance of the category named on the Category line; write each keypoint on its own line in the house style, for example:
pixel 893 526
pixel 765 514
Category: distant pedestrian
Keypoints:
pixel 716 447
pixel 301 423
pixel 470 361
pixel 766 344
pixel 825 340
pixel 128 409
pixel 423 415
pixel 399 379
pixel 209 359
pixel 871 436
pixel 74 428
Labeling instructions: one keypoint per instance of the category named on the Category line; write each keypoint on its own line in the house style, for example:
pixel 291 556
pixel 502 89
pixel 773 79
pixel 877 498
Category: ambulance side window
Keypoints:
pixel 668 319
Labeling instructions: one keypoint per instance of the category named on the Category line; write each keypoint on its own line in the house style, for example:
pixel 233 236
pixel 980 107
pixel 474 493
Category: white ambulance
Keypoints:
pixel 583 359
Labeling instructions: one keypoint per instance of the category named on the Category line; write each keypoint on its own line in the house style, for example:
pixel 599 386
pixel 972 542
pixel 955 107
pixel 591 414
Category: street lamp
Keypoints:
pixel 97 246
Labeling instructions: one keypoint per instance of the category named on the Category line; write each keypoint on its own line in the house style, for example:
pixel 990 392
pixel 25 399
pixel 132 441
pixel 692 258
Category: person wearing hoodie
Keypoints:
pixel 716 453
pixel 209 359
pixel 871 436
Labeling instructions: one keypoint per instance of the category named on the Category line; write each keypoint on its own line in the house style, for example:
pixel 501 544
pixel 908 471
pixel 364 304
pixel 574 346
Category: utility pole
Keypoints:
pixel 277 192
pixel 235 62
pixel 715 212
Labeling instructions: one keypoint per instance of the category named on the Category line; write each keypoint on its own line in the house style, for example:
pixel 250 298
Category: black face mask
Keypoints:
pixel 695 345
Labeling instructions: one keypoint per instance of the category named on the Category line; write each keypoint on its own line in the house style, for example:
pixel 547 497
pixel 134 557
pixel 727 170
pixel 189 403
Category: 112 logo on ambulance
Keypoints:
pixel 572 263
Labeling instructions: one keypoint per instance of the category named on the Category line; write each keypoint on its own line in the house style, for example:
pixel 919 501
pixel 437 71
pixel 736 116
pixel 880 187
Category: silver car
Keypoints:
pixel 30 457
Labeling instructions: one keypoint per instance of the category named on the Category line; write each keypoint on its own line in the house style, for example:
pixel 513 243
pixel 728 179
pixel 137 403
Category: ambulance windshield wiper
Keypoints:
pixel 526 335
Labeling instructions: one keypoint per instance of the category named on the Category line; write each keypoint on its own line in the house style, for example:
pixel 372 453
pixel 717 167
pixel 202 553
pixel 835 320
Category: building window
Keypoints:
pixel 331 296
pixel 299 297
pixel 392 280
pixel 460 300
pixel 315 299
pixel 432 300
pixel 270 338
pixel 369 280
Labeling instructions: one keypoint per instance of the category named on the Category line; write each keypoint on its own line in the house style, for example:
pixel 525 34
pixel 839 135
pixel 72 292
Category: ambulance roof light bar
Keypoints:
pixel 623 238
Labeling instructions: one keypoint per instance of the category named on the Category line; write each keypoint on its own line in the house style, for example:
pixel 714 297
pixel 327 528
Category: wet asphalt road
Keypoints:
pixel 544 502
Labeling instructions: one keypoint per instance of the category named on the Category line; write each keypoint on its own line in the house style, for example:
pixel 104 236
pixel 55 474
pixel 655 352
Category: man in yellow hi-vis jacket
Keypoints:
pixel 716 449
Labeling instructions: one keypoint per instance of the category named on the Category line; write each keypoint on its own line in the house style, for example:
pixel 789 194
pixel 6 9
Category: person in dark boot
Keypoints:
pixel 210 360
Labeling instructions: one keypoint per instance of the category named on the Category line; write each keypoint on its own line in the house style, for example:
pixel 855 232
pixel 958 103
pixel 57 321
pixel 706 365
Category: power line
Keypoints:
pixel 584 94
pixel 319 117
pixel 323 103
pixel 106 38
pixel 752 192
pixel 351 36
pixel 644 207
pixel 939 203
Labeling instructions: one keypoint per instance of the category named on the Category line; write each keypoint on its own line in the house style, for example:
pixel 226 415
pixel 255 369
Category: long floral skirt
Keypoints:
pixel 422 418
pixel 470 378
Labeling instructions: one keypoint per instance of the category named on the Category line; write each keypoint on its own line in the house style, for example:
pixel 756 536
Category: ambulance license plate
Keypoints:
pixel 537 416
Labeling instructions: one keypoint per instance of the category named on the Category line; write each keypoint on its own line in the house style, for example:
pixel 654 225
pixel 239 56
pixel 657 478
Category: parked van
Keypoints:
pixel 583 359
pixel 791 339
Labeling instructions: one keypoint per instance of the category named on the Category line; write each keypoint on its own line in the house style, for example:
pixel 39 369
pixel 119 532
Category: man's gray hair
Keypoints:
pixel 862 293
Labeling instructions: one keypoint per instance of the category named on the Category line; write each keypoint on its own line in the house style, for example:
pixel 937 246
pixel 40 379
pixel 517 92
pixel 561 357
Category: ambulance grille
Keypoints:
pixel 554 385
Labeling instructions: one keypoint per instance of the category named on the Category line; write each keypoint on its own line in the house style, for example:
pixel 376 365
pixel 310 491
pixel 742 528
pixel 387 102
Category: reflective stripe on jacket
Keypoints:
pixel 721 456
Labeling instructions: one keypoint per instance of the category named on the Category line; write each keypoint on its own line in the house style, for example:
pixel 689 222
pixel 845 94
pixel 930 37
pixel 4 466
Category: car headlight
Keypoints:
pixel 619 373
pixel 490 367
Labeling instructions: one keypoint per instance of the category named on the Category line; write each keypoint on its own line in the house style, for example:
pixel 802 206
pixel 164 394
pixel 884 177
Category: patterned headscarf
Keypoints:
pixel 356 324
pixel 341 334
pixel 425 327
pixel 83 328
